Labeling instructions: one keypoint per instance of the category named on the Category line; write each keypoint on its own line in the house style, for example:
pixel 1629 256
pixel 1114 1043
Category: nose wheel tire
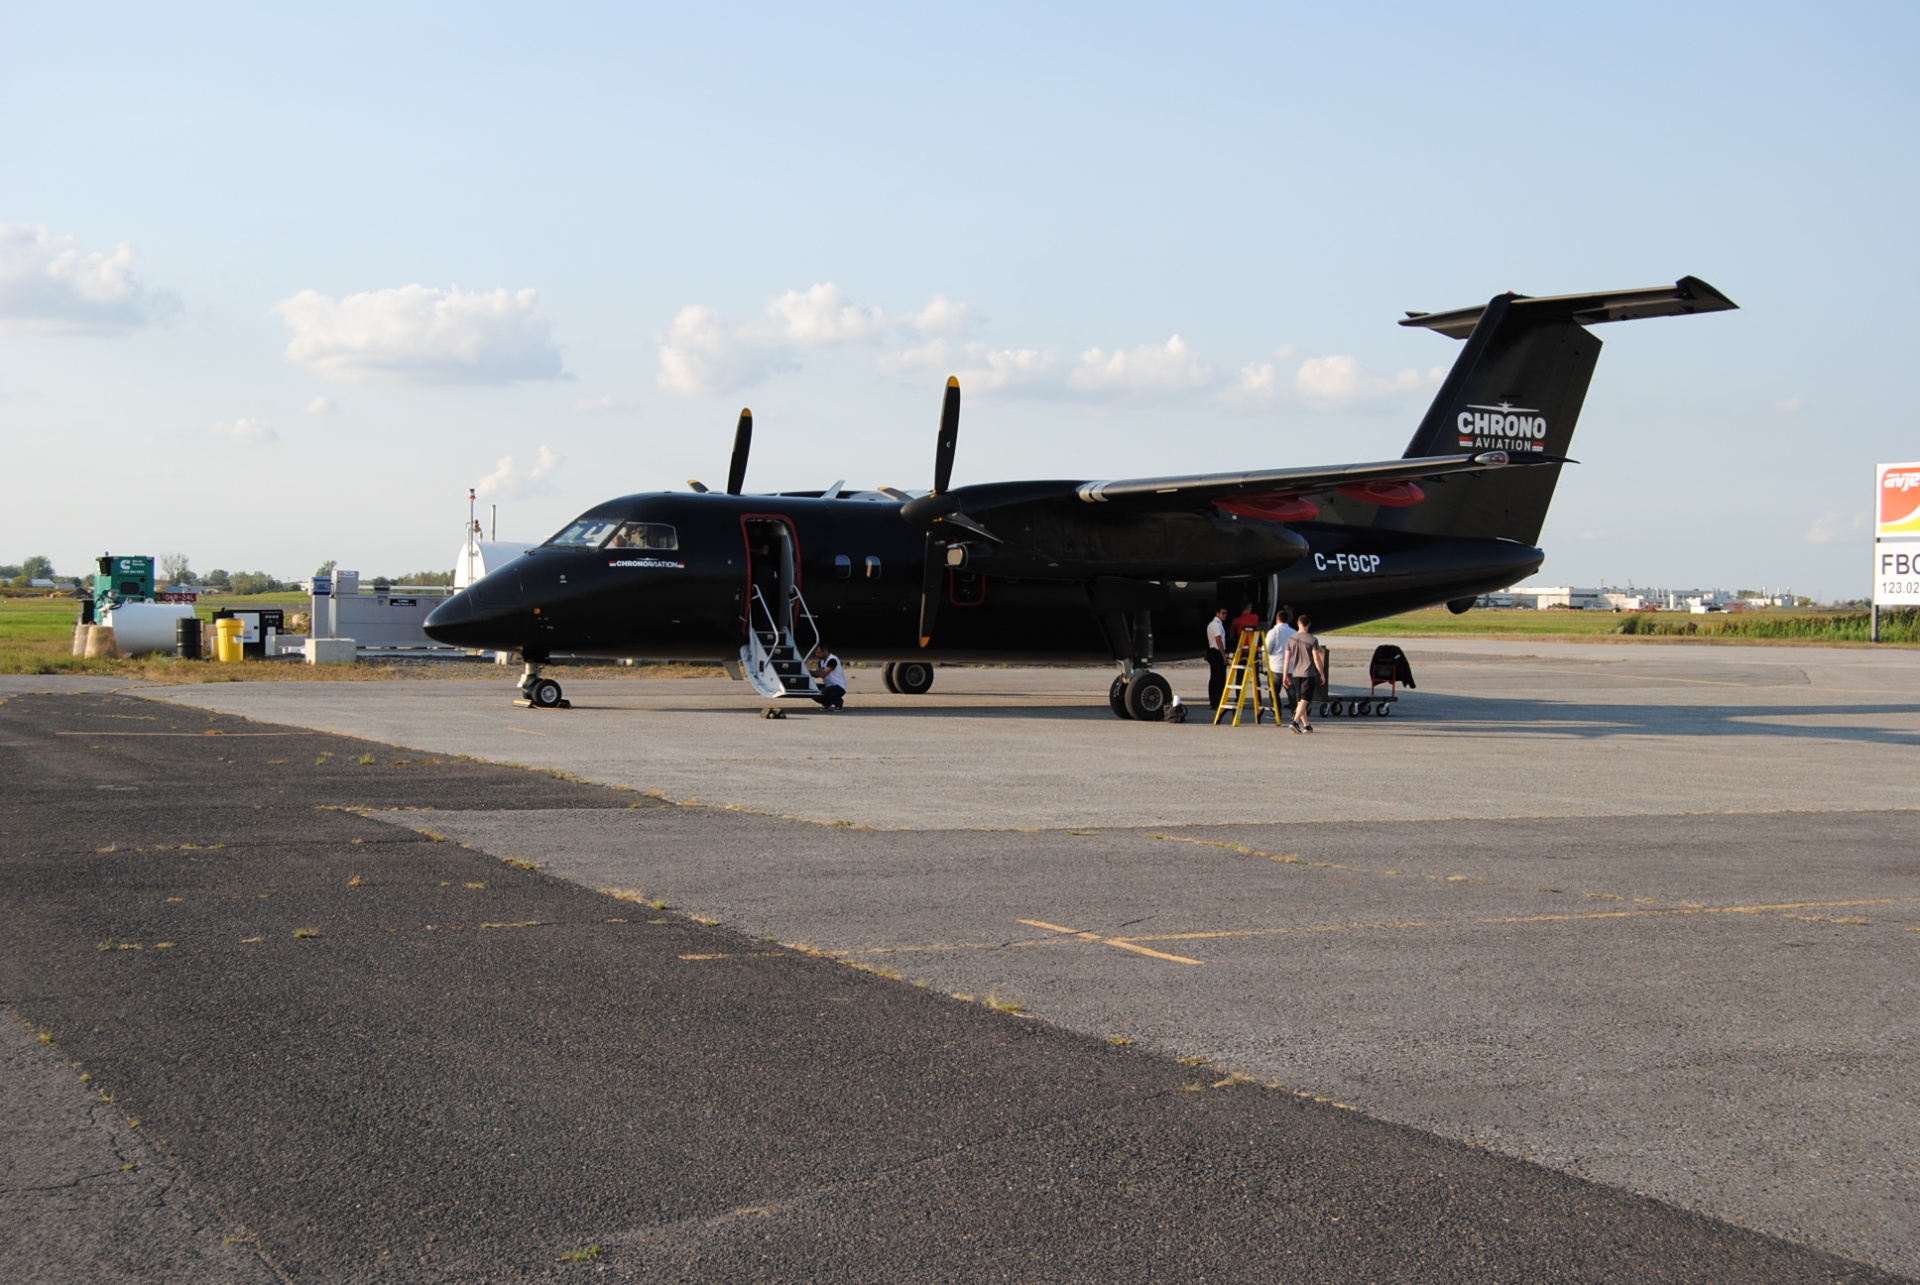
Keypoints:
pixel 886 676
pixel 544 693
pixel 1117 697
pixel 1148 696
pixel 912 677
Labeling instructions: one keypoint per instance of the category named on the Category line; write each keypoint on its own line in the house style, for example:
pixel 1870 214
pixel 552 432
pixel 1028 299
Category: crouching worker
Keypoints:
pixel 831 677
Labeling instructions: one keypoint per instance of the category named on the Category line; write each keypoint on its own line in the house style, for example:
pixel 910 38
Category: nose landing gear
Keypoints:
pixel 540 693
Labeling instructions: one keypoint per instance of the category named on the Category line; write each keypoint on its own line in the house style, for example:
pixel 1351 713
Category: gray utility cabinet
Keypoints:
pixel 381 619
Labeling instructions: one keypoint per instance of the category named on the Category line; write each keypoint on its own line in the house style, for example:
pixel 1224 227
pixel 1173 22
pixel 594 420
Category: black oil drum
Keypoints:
pixel 186 637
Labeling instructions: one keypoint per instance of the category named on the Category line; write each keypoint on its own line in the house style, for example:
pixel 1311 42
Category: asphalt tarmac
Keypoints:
pixel 274 1021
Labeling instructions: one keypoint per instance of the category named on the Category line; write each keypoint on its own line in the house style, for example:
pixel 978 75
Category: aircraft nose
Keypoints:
pixel 448 616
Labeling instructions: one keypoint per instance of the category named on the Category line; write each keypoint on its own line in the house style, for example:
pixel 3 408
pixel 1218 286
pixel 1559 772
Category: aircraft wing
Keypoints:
pixel 1279 495
pixel 1149 493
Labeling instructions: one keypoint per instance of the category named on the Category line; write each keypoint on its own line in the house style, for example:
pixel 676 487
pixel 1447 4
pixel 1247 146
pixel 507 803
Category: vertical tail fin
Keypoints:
pixel 1518 386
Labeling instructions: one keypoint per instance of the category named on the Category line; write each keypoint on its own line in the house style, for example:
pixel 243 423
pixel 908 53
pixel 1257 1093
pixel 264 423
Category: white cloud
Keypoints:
pixel 1168 367
pixel 702 352
pixel 1339 381
pixel 49 285
pixel 1793 404
pixel 421 335
pixel 979 368
pixel 246 431
pixel 595 405
pixel 1258 384
pixel 941 316
pixel 1831 526
pixel 508 482
pixel 320 406
pixel 818 318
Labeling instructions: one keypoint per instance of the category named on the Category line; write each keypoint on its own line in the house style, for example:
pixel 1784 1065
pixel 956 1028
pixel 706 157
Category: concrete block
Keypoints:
pixel 329 651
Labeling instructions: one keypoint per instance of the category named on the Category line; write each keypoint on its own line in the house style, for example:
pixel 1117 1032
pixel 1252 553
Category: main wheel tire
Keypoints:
pixel 1117 697
pixel 886 676
pixel 544 693
pixel 1148 696
pixel 912 677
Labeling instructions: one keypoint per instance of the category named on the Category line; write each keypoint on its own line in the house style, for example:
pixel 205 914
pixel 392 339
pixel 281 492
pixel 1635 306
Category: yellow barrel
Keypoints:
pixel 100 643
pixel 226 639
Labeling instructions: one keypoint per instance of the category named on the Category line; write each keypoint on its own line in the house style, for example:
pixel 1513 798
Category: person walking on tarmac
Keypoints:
pixel 831 677
pixel 1216 658
pixel 1304 671
pixel 1277 638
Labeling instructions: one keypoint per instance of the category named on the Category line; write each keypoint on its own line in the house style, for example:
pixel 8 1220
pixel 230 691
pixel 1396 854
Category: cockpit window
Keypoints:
pixel 644 535
pixel 587 533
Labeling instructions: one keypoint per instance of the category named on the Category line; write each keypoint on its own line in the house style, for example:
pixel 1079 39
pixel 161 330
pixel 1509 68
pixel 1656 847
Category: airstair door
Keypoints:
pixel 780 629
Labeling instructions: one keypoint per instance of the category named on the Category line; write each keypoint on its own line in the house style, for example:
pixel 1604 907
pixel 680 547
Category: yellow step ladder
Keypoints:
pixel 1245 675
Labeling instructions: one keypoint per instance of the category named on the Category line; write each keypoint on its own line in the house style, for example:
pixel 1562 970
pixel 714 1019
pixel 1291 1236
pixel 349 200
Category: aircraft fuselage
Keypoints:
pixel 858 568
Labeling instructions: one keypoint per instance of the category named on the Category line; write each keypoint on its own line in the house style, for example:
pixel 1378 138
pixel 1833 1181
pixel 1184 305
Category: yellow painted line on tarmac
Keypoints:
pixel 528 731
pixel 195 735
pixel 1278 932
pixel 1780 908
pixel 937 946
pixel 1117 943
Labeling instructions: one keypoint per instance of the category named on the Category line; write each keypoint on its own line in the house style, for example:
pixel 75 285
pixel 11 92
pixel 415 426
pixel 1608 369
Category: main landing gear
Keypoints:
pixel 1138 693
pixel 540 693
pixel 908 677
pixel 1145 696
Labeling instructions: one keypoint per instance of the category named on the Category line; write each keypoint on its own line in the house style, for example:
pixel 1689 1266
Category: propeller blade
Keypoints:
pixel 933 584
pixel 895 493
pixel 742 443
pixel 697 485
pixel 949 437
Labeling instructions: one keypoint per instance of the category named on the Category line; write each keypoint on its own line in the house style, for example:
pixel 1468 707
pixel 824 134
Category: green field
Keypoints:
pixel 36 636
pixel 1796 625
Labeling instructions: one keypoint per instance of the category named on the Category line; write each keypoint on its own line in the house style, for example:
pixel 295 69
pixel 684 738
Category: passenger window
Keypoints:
pixel 873 567
pixel 843 566
pixel 652 536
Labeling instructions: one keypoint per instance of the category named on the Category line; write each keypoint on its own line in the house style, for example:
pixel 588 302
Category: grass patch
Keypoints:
pixel 1809 625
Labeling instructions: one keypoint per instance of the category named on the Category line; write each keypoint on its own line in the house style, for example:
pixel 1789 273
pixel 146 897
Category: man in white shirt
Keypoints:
pixel 831 677
pixel 1216 658
pixel 1277 638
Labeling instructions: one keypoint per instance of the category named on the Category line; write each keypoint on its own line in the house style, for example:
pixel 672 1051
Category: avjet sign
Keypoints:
pixel 1896 532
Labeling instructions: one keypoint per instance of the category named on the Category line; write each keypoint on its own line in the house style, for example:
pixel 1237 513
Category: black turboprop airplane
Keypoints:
pixel 1122 571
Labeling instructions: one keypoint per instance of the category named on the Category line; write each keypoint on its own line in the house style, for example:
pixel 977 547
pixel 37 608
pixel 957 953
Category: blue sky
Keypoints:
pixel 277 287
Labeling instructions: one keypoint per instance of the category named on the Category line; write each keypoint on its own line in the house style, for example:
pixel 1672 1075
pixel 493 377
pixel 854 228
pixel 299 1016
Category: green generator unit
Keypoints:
pixel 121 580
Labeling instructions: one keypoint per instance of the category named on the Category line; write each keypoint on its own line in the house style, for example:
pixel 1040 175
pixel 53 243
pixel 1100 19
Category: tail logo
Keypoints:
pixel 1502 427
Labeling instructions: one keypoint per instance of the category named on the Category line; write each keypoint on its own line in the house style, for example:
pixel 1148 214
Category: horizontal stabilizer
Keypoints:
pixel 1687 295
